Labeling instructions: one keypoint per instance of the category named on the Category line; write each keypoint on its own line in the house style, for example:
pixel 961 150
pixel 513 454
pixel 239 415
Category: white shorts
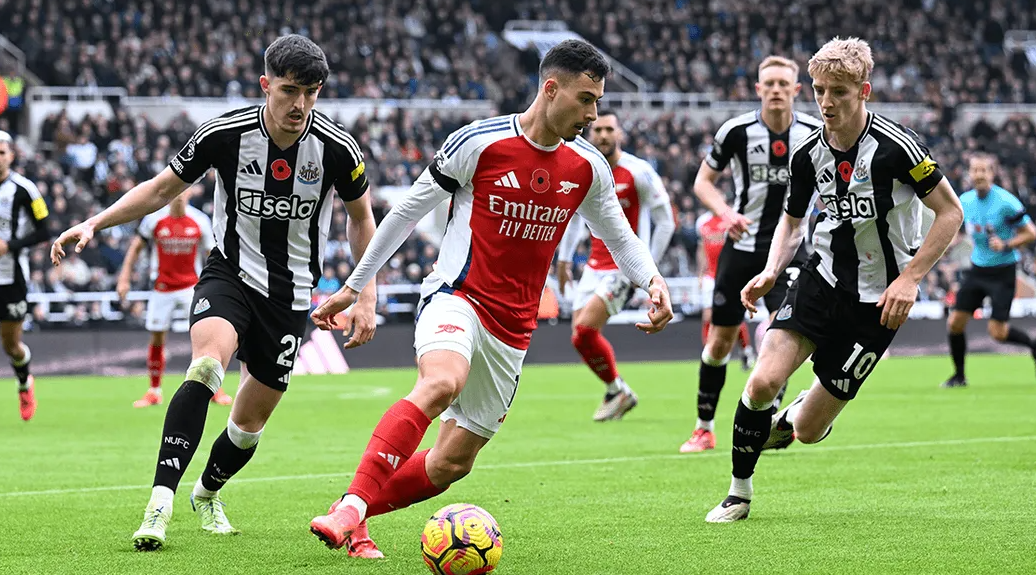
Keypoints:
pixel 708 285
pixel 610 285
pixel 448 322
pixel 161 306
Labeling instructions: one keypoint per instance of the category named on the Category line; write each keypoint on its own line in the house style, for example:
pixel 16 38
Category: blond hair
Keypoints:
pixel 771 61
pixel 846 59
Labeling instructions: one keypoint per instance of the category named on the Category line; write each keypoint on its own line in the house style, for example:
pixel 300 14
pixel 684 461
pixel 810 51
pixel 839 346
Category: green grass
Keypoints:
pixel 914 479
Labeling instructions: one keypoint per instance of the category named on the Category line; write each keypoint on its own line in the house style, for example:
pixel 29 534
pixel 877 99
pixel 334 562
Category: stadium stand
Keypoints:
pixel 450 50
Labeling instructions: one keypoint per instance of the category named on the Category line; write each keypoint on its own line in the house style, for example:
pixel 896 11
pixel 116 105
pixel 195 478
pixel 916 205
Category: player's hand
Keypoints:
pixel 122 288
pixel 896 301
pixel 82 234
pixel 756 288
pixel 564 274
pixel 362 319
pixel 4 248
pixel 661 311
pixel 996 244
pixel 324 315
pixel 737 224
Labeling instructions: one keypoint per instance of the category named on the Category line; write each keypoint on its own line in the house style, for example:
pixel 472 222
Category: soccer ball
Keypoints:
pixel 461 539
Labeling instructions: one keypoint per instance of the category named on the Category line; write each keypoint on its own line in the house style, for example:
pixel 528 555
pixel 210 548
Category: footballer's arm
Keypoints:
pixel 567 250
pixel 604 216
pixel 145 198
pixel 662 230
pixel 425 194
pixel 135 247
pixel 949 216
pixel 712 198
pixel 359 230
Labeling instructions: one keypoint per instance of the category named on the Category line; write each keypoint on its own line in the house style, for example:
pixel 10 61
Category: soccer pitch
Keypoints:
pixel 914 479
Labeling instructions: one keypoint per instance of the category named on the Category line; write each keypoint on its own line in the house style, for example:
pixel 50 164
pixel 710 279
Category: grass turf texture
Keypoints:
pixel 914 479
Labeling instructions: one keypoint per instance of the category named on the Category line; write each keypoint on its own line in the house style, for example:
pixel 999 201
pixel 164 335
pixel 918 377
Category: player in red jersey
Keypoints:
pixel 712 234
pixel 513 182
pixel 175 234
pixel 602 290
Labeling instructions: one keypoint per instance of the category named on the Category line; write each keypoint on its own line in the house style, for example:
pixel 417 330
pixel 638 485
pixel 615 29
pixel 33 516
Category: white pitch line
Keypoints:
pixel 557 463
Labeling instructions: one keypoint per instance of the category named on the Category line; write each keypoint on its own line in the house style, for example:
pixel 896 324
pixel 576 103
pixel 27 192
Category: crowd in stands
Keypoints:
pixel 939 53
pixel 440 49
pixel 942 53
pixel 81 167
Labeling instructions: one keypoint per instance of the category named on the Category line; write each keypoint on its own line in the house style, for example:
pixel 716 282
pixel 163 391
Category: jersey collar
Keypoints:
pixel 266 133
pixel 518 128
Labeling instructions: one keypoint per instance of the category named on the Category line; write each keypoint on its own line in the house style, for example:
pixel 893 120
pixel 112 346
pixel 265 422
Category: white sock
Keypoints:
pixel 741 488
pixel 162 496
pixel 359 504
pixel 200 491
pixel 706 425
pixel 616 386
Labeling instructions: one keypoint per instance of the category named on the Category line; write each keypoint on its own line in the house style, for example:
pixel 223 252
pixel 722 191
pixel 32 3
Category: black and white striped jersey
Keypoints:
pixel 272 207
pixel 22 223
pixel 758 159
pixel 871 224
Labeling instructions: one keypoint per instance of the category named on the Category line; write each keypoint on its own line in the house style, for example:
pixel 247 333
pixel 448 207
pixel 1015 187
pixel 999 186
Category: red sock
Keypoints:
pixel 596 352
pixel 742 336
pixel 393 442
pixel 155 365
pixel 705 326
pixel 409 485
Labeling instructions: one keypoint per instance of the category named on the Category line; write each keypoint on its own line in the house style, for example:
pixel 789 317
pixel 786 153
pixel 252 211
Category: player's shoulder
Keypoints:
pixel 635 164
pixel 480 133
pixel 590 154
pixel 334 134
pixel 702 220
pixel 897 137
pixel 736 123
pixel 233 122
pixel 25 184
pixel 1006 196
pixel 805 145
pixel 197 215
pixel 810 122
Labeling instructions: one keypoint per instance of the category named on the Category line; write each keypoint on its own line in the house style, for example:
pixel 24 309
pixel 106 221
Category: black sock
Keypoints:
pixel 958 347
pixel 710 382
pixel 751 430
pixel 1017 336
pixel 22 371
pixel 225 460
pixel 184 424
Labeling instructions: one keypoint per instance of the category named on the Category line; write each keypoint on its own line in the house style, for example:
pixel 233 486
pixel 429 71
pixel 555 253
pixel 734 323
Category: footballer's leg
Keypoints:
pixel 600 295
pixel 445 339
pixel 598 354
pixel 220 313
pixel 213 341
pixel 441 376
pixel 19 354
pixel 783 351
pixel 155 369
pixel 267 352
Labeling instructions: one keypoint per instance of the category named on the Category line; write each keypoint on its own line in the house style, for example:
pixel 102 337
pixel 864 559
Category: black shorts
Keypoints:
pixel 996 282
pixel 733 272
pixel 848 334
pixel 268 335
pixel 13 303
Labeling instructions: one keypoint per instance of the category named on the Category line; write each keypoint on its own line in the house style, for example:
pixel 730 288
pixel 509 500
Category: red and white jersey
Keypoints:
pixel 510 203
pixel 638 187
pixel 178 247
pixel 712 233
